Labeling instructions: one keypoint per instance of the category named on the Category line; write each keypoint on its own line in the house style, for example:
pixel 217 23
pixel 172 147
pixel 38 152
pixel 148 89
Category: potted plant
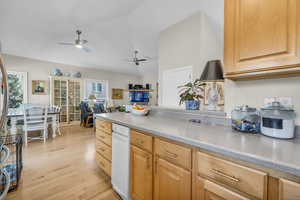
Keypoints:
pixel 191 94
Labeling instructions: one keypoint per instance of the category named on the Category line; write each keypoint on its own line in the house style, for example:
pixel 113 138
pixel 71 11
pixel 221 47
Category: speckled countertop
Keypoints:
pixel 282 155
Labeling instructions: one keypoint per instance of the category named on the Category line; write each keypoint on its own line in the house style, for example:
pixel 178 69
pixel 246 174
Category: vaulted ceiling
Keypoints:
pixel 114 28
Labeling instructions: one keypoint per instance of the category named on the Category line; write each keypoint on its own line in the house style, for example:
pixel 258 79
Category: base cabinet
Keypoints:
pixel 141 174
pixel 207 190
pixel 171 182
pixel 288 190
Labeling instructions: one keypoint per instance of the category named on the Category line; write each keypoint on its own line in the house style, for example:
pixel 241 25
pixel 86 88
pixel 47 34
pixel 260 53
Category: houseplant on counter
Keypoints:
pixel 191 94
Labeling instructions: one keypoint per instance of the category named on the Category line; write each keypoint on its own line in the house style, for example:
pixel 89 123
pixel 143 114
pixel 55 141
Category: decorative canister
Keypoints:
pixel 245 119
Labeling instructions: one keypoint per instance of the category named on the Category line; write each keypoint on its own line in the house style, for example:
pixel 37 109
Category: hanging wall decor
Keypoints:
pixel 117 93
pixel 38 87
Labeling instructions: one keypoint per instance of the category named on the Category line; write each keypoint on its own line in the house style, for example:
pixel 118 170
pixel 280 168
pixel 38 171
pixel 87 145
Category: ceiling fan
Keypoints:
pixel 79 43
pixel 137 60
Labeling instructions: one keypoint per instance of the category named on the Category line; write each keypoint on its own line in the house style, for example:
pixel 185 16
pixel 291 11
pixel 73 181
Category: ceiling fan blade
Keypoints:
pixel 86 49
pixel 142 60
pixel 66 43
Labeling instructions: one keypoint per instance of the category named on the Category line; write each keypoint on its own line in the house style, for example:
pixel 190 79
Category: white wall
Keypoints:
pixel 41 70
pixel 191 42
pixel 173 52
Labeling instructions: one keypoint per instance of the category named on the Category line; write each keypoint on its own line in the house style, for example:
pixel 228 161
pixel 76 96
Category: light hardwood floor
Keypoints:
pixel 63 169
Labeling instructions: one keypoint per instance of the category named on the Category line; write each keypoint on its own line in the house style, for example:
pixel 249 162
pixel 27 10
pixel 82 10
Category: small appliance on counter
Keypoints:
pixel 278 121
pixel 245 119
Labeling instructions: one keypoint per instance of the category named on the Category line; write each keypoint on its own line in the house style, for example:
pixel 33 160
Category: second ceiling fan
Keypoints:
pixel 136 60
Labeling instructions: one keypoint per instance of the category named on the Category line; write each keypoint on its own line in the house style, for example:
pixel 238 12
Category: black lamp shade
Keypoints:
pixel 213 71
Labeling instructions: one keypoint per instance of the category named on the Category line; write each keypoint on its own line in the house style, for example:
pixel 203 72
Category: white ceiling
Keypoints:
pixel 114 28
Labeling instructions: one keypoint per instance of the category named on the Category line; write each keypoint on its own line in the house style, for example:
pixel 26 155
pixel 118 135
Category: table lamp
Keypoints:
pixel 212 73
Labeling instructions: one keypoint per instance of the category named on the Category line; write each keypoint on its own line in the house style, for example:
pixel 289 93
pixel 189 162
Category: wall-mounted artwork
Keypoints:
pixel 117 93
pixel 38 87
pixel 220 90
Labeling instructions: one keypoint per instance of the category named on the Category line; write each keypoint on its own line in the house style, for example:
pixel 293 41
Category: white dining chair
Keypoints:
pixel 35 119
pixel 57 110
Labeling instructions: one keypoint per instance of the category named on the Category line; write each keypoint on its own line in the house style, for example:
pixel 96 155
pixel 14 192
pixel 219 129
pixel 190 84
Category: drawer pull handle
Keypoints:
pixel 232 178
pixel 102 149
pixel 155 165
pixel 148 162
pixel 170 154
pixel 139 142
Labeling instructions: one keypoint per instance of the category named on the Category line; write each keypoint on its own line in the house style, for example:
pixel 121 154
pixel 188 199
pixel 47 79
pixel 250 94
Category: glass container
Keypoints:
pixel 245 119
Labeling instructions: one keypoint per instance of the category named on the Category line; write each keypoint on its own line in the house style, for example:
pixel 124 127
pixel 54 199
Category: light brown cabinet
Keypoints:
pixel 171 181
pixel 207 190
pixel 244 179
pixel 262 38
pixel 288 190
pixel 103 142
pixel 141 174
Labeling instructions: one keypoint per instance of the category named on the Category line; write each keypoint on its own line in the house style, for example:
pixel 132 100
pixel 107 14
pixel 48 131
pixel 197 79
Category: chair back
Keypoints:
pixel 84 108
pixel 56 109
pixel 35 117
pixel 99 108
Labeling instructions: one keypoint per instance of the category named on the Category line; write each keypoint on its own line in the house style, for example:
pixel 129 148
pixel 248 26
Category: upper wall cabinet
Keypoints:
pixel 262 38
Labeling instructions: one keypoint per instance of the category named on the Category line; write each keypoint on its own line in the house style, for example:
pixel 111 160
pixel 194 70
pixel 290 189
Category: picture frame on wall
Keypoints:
pixel 39 87
pixel 117 93
pixel 220 88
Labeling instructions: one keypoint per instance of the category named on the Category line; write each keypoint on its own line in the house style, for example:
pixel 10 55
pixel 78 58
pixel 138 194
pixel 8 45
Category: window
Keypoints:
pixel 17 84
pixel 97 88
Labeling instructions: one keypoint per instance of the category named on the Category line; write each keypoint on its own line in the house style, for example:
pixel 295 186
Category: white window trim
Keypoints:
pixel 105 82
pixel 25 88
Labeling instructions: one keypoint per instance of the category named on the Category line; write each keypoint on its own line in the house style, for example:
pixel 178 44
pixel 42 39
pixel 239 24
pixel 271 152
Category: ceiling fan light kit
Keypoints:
pixel 79 43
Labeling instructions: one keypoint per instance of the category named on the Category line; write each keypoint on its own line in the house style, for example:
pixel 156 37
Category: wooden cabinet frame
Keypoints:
pixel 273 187
pixel 250 53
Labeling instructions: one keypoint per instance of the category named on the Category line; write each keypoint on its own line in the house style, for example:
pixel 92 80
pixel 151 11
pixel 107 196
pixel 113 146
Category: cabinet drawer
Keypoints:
pixel 209 190
pixel 104 137
pixel 103 149
pixel 103 125
pixel 174 153
pixel 104 164
pixel 141 140
pixel 244 179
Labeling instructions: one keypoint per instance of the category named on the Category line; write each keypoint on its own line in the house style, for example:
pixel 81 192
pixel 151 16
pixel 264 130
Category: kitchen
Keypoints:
pixel 210 157
pixel 217 117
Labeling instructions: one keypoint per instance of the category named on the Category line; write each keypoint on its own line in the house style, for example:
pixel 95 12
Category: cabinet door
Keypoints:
pixel 289 190
pixel 261 35
pixel 141 174
pixel 171 182
pixel 207 190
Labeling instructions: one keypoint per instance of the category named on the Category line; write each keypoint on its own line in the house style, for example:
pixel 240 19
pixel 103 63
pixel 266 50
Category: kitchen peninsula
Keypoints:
pixel 211 159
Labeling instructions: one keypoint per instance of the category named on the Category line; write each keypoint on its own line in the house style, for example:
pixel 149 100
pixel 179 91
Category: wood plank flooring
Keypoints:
pixel 63 169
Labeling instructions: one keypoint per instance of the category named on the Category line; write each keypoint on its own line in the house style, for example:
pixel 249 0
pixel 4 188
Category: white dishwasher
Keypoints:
pixel 121 160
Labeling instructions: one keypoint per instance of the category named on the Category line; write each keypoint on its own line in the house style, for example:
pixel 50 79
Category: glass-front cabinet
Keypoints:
pixel 66 93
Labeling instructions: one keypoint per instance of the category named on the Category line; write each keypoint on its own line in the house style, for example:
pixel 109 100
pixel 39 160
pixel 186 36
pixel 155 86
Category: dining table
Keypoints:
pixel 17 114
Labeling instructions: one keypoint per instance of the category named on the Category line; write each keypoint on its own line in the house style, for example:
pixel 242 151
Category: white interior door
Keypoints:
pixel 171 80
